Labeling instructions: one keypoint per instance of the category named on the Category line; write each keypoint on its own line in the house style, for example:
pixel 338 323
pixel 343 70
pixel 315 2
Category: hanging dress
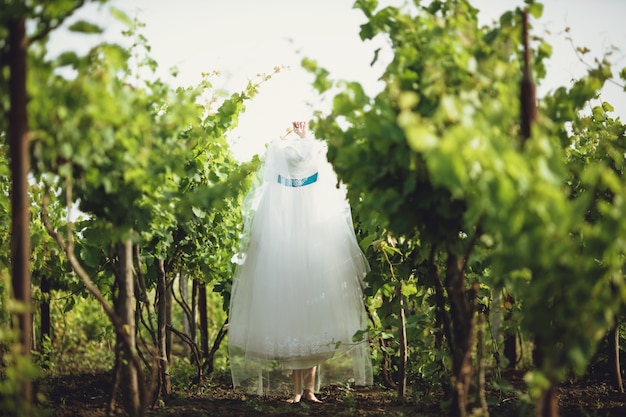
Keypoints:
pixel 297 298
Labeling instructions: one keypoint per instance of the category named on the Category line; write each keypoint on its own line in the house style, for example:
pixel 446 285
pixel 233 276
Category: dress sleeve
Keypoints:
pixel 329 176
pixel 270 162
pixel 252 199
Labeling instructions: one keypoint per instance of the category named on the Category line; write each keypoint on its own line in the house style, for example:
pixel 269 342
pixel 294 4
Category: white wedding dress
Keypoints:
pixel 297 299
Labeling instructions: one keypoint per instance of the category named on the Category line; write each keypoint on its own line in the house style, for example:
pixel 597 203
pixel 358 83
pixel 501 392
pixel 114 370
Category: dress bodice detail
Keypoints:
pixel 301 156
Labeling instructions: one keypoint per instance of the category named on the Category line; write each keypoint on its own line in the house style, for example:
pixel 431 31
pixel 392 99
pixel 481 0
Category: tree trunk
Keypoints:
pixel 128 365
pixel 386 361
pixel 125 309
pixel 20 161
pixel 184 296
pixel 403 345
pixel 443 337
pixel 537 352
pixel 162 309
pixel 169 303
pixel 204 324
pixel 462 313
pixel 480 353
pixel 510 350
pixel 193 326
pixel 510 340
pixel 209 360
pixel 548 403
pixel 614 362
pixel 44 311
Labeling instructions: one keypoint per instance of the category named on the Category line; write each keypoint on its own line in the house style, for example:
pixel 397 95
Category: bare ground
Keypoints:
pixel 88 395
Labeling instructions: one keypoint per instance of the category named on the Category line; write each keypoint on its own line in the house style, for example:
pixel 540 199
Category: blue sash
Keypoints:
pixel 297 182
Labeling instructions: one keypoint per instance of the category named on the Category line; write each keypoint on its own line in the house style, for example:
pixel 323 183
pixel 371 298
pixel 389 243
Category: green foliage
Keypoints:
pixel 435 168
pixel 450 156
pixel 131 156
pixel 15 367
pixel 83 338
pixel 437 158
pixel 182 371
pixel 140 158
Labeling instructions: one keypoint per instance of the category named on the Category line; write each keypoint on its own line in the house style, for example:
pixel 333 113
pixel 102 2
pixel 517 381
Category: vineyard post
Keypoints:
pixel 547 403
pixel 20 235
pixel 528 110
pixel 528 114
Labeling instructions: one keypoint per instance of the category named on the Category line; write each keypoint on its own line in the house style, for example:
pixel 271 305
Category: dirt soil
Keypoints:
pixel 88 395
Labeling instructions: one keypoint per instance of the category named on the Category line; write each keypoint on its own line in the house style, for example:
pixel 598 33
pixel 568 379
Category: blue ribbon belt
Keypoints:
pixel 297 182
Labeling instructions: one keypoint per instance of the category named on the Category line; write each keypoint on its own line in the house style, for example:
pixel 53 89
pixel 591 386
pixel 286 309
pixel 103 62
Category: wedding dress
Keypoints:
pixel 297 298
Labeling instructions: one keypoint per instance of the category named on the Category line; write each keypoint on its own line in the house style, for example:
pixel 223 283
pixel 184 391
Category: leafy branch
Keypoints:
pixel 580 52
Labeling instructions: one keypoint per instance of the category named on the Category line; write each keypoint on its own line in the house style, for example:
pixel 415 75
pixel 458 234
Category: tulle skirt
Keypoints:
pixel 297 295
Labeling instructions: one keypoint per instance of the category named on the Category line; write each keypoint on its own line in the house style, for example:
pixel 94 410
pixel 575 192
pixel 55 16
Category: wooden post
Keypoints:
pixel 528 107
pixel 20 206
pixel 547 405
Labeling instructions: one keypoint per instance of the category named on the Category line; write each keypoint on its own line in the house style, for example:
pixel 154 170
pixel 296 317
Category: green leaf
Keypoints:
pixel 367 31
pixel 535 10
pixel 367 6
pixel 121 16
pixel 367 241
pixel 607 107
pixel 67 58
pixel 83 26
pixel 408 289
pixel 421 138
pixel 70 302
pixel 198 212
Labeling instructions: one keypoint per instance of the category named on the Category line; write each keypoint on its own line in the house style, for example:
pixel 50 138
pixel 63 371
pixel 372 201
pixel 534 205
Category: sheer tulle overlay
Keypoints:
pixel 297 292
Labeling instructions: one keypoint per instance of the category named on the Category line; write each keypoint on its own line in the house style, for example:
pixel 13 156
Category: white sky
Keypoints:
pixel 242 38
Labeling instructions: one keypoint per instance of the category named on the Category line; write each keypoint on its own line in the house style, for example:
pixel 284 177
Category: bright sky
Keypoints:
pixel 242 38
